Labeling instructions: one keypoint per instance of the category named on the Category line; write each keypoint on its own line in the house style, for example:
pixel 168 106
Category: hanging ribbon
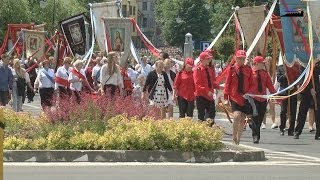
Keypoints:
pixel 88 56
pixel 307 73
pixel 12 49
pixel 217 37
pixel 262 29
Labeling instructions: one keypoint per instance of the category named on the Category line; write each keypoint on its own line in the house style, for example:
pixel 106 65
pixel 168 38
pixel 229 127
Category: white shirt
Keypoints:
pixel 63 73
pixel 43 80
pixel 146 70
pixel 76 86
pixel 133 75
pixel 115 78
pixel 95 70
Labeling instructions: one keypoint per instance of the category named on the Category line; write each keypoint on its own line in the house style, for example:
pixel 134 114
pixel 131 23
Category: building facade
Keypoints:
pixel 146 20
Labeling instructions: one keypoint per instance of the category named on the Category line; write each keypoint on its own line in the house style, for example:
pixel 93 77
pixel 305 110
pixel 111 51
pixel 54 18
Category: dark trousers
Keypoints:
pixel 77 95
pixel 110 88
pixel 293 113
pixel 305 104
pixel 317 121
pixel 4 97
pixel 46 96
pixel 257 120
pixel 204 105
pixel 30 93
pixel 185 107
pixel 64 93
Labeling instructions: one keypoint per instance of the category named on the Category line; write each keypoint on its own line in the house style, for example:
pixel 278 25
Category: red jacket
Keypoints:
pixel 231 85
pixel 184 84
pixel 266 83
pixel 201 81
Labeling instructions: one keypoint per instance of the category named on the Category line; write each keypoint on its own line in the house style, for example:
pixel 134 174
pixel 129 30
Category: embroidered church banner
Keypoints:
pixel 251 20
pixel 118 31
pixel 75 33
pixel 293 32
pixel 103 10
pixel 34 42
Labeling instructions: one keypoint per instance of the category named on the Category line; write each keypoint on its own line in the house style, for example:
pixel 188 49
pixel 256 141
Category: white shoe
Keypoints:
pixel 274 126
pixel 263 126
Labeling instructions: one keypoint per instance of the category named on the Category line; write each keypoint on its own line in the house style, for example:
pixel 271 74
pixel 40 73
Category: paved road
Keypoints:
pixel 162 171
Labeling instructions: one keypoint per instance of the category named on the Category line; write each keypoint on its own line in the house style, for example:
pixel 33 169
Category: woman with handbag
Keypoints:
pixel 20 81
pixel 158 87
pixel 110 76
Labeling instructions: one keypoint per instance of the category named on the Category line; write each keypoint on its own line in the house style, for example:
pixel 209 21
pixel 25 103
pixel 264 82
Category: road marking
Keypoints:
pixel 315 159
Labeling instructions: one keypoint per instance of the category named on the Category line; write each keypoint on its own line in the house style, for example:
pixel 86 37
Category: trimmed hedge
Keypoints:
pixel 117 133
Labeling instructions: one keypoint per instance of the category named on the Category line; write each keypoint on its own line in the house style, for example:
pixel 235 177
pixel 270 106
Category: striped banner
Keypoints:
pixel 34 40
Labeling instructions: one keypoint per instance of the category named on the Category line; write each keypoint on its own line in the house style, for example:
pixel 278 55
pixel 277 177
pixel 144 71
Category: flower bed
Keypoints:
pixel 94 128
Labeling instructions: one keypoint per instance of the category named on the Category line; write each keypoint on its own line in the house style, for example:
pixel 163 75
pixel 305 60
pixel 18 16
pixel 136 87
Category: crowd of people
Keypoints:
pixel 162 83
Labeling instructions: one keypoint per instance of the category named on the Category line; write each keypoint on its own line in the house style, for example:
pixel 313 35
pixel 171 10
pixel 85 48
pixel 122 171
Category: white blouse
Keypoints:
pixel 114 79
pixel 76 86
pixel 63 73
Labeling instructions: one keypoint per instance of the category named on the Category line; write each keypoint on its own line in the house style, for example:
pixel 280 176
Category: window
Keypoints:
pixel 152 6
pixel 145 6
pixel 130 10
pixel 124 10
pixel 134 10
pixel 151 23
pixel 145 22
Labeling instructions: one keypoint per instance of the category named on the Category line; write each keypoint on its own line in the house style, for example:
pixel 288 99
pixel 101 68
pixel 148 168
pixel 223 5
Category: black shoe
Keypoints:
pixel 255 140
pixel 296 136
pixel 282 132
pixel 290 134
pixel 317 138
pixel 29 101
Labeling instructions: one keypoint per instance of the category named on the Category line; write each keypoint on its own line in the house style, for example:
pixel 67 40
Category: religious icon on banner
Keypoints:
pixel 75 32
pixel 117 39
pixel 33 43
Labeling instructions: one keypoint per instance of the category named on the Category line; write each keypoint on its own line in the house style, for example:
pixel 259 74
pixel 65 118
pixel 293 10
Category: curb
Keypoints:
pixel 133 156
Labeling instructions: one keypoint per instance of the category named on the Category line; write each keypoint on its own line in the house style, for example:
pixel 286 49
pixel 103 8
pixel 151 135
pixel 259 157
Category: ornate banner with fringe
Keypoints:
pixel 12 35
pixel 251 19
pixel 103 10
pixel 33 42
pixel 118 32
pixel 75 33
pixel 295 32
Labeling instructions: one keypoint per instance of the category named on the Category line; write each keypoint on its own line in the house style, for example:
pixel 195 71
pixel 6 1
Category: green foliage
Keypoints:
pixel 193 16
pixel 225 47
pixel 14 143
pixel 118 133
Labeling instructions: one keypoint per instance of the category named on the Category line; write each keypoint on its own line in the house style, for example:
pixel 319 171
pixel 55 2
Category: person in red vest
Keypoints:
pixel 260 82
pixel 237 84
pixel 61 81
pixel 183 89
pixel 204 79
pixel 127 83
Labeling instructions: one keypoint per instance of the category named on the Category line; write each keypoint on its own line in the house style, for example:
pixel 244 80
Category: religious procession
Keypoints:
pixel 248 88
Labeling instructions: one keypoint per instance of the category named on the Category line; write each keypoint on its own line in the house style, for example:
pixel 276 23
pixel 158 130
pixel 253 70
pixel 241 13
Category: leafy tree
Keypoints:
pixel 13 11
pixel 225 48
pixel 178 17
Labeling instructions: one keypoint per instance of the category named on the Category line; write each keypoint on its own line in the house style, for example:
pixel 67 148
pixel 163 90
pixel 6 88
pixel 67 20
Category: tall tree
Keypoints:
pixel 13 11
pixel 178 17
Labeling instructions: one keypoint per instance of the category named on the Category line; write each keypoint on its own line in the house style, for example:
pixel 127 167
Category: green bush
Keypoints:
pixel 119 133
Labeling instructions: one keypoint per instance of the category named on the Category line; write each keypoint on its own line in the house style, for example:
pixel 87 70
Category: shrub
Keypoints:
pixel 14 143
pixel 85 141
pixel 103 107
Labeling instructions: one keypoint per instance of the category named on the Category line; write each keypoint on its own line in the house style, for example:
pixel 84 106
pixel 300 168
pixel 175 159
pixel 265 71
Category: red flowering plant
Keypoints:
pixel 98 108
